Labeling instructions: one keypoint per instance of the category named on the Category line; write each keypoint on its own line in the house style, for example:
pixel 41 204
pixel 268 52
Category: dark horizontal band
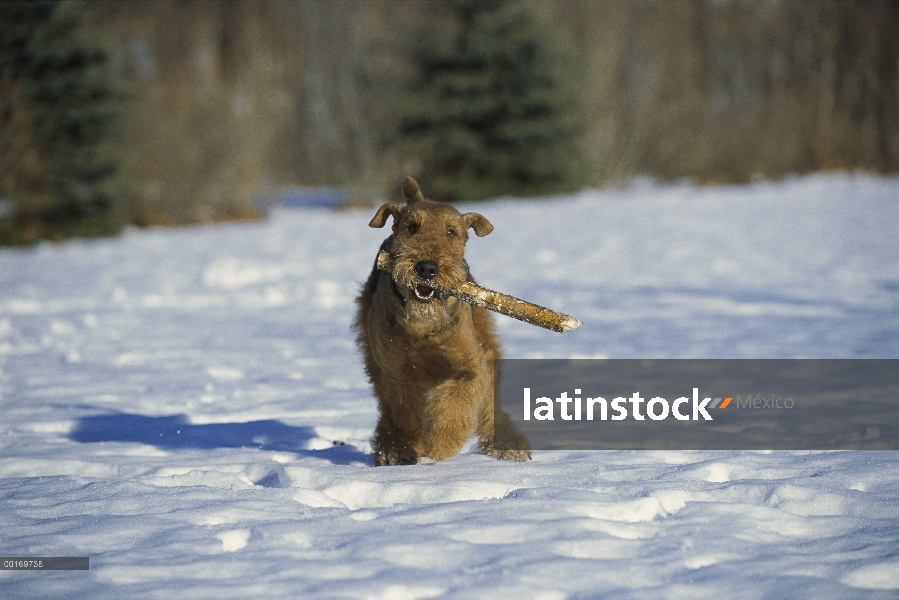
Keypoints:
pixel 661 404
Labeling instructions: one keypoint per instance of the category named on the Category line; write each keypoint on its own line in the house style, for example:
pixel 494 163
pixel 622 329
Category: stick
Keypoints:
pixel 501 303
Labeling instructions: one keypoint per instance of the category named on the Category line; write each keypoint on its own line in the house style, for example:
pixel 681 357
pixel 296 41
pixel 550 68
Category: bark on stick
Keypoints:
pixel 498 302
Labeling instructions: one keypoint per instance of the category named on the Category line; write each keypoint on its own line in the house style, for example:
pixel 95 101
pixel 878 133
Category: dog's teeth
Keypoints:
pixel 423 295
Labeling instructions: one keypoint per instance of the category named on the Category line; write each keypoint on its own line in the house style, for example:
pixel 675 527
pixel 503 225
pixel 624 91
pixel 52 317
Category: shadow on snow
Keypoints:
pixel 176 433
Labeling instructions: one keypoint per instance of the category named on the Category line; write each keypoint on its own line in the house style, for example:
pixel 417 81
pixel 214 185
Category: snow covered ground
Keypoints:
pixel 169 403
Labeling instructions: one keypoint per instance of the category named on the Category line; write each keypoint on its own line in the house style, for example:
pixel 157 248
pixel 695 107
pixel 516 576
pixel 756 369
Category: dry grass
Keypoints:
pixel 235 97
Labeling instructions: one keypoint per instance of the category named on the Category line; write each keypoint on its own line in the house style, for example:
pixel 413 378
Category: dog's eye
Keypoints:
pixel 412 227
pixel 450 233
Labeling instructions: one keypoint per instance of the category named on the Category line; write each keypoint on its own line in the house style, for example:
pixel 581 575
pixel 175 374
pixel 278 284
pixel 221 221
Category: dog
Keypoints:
pixel 429 356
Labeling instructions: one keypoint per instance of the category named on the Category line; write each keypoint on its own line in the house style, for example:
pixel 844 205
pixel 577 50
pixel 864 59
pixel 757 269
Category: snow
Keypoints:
pixel 170 402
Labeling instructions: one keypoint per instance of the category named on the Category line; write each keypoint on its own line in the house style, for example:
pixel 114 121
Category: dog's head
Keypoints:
pixel 428 243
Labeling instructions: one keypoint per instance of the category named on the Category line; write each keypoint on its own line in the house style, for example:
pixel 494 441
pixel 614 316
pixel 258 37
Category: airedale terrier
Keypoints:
pixel 429 355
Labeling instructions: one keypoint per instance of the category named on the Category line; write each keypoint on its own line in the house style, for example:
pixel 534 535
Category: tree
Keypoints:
pixel 59 114
pixel 492 107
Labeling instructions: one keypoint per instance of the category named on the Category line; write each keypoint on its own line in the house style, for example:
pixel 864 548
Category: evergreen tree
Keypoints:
pixel 492 108
pixel 60 112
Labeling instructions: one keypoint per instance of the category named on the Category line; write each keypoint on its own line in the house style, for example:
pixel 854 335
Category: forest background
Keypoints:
pixel 163 112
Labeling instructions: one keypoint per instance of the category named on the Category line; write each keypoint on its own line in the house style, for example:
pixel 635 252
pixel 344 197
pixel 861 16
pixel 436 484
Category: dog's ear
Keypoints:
pixel 480 224
pixel 411 191
pixel 390 209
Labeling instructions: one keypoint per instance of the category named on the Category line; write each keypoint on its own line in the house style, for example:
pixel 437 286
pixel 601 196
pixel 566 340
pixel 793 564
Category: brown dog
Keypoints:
pixel 430 356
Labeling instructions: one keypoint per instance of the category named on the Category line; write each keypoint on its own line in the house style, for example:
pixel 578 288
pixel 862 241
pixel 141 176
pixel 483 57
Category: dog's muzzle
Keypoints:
pixel 426 270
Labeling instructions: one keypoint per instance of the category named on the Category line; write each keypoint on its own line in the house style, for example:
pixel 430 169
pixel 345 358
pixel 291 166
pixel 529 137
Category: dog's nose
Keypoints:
pixel 426 269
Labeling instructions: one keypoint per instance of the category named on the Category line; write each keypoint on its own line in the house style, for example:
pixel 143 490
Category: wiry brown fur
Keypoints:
pixel 430 362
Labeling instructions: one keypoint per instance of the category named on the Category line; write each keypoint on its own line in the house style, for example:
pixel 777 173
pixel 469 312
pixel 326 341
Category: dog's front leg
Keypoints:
pixel 451 414
pixel 397 439
pixel 499 438
pixel 392 445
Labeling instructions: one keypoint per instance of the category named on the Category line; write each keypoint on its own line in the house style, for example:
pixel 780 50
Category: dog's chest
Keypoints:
pixel 436 356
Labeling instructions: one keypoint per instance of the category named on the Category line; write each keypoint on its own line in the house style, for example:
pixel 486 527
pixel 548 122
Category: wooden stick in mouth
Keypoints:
pixel 498 302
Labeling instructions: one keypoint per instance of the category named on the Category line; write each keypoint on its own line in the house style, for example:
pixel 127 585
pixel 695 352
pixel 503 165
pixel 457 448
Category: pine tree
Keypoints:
pixel 60 111
pixel 493 107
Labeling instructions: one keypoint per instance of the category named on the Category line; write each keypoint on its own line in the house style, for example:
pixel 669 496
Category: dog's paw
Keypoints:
pixel 384 459
pixel 512 455
pixel 516 455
